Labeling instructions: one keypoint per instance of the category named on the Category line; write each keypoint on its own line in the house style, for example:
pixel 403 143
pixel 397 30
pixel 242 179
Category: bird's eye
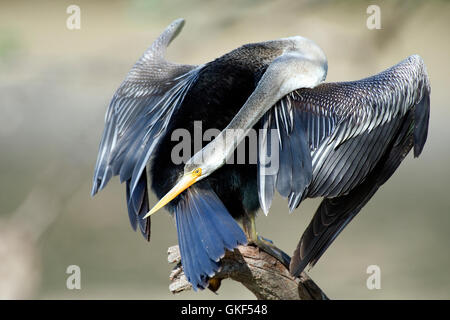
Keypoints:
pixel 198 171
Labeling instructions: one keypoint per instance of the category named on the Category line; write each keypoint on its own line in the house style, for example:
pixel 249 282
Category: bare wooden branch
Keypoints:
pixel 262 274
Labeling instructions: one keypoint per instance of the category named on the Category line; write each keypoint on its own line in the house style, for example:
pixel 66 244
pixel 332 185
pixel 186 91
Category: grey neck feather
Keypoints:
pixel 300 64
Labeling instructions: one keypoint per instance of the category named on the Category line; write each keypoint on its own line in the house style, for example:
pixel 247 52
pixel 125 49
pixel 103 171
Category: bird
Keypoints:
pixel 340 141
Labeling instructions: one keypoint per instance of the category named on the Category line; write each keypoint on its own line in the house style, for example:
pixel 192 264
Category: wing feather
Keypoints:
pixel 137 118
pixel 139 112
pixel 331 116
pixel 357 133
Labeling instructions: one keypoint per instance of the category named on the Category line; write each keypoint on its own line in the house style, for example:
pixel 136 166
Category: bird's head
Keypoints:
pixel 201 165
pixel 299 63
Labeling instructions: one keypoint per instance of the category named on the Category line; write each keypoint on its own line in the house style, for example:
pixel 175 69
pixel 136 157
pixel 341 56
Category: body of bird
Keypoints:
pixel 340 141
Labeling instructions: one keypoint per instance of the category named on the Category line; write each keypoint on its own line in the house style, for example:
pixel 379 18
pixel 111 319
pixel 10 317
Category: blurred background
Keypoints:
pixel 56 83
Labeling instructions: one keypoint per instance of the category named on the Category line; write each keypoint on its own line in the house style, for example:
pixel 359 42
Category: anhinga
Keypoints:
pixel 340 141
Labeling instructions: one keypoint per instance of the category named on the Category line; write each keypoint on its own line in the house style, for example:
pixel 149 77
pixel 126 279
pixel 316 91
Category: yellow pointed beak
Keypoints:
pixel 186 181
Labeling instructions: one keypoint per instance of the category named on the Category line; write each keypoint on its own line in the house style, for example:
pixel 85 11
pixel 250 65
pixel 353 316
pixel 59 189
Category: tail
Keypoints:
pixel 205 230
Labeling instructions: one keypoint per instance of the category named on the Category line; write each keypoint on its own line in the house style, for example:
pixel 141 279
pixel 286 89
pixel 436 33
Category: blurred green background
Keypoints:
pixel 55 85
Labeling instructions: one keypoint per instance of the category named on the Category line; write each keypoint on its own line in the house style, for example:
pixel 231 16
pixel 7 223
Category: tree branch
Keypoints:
pixel 259 272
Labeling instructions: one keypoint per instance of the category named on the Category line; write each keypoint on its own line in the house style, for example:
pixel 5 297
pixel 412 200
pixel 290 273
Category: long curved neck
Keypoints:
pixel 301 65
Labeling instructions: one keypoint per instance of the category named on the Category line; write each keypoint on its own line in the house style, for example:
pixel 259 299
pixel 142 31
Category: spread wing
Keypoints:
pixel 311 127
pixel 137 119
pixel 342 141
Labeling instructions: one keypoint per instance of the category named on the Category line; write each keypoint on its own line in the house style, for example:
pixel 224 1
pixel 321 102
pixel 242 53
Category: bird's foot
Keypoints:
pixel 268 247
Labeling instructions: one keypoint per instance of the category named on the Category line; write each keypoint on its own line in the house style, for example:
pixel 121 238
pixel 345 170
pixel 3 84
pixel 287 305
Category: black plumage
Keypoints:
pixel 340 141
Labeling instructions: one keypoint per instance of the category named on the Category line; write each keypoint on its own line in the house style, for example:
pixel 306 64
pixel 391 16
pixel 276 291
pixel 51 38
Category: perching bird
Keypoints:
pixel 340 141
